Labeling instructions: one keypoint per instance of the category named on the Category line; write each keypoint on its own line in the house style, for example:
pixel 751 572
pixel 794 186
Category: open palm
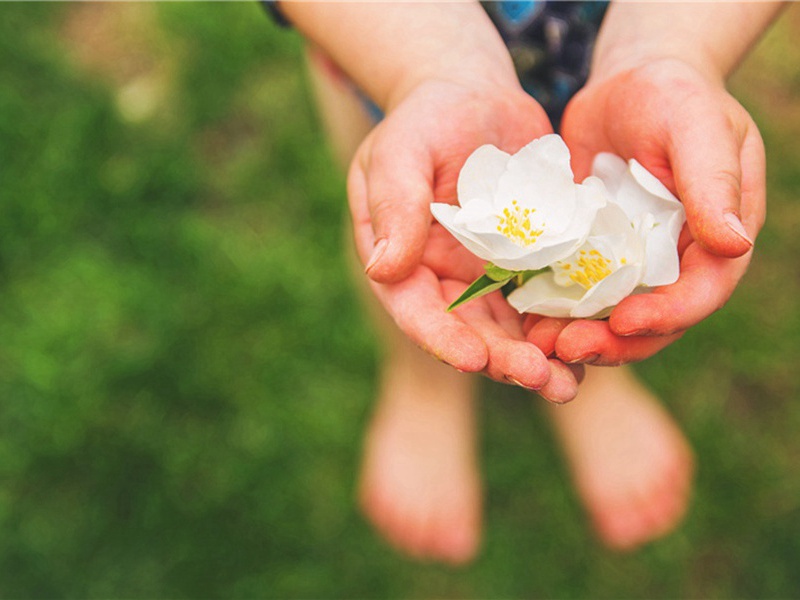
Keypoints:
pixel 705 148
pixel 416 268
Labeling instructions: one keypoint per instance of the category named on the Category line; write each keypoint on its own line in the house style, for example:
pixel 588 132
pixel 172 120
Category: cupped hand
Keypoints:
pixel 704 146
pixel 416 269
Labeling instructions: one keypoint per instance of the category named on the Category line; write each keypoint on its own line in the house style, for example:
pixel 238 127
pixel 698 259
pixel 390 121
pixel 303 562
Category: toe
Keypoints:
pixel 620 527
pixel 408 533
pixel 457 546
pixel 653 510
pixel 458 537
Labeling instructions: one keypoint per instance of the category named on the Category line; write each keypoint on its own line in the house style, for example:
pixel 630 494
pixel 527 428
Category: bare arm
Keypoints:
pixel 389 48
pixel 713 37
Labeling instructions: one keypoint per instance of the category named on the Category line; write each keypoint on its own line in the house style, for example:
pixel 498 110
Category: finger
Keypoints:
pixel 578 370
pixel 359 210
pixel 505 315
pixel 592 342
pixel 584 142
pixel 545 332
pixel 511 360
pixel 562 386
pixel 754 181
pixel 684 240
pixel 420 311
pixel 529 321
pixel 704 148
pixel 705 284
pixel 399 190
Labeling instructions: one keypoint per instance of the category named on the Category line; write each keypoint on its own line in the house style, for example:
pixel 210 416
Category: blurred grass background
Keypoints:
pixel 185 372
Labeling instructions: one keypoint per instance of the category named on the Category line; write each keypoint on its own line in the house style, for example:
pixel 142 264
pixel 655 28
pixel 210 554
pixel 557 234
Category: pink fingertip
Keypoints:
pixel 465 353
pixel 562 386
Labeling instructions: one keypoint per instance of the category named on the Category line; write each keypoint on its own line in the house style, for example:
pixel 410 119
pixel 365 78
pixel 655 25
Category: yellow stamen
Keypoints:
pixel 592 267
pixel 515 224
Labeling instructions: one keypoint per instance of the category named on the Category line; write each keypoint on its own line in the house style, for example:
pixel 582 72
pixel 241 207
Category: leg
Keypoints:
pixel 631 465
pixel 419 484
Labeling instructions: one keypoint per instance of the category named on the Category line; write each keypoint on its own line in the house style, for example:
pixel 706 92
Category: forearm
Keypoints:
pixel 711 36
pixel 389 48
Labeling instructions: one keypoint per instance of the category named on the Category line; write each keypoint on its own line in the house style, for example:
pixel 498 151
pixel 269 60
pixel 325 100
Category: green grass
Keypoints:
pixel 185 371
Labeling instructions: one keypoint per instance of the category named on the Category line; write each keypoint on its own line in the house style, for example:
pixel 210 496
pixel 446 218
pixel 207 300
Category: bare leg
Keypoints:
pixel 631 465
pixel 419 483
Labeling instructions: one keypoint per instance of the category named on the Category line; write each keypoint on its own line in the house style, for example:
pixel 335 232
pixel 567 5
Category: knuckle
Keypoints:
pixel 702 193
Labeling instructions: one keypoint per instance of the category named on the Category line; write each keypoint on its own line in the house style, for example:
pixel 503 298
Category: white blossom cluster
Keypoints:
pixel 593 243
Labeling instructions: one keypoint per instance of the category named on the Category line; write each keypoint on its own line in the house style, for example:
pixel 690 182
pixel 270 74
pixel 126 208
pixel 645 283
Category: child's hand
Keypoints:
pixel 689 132
pixel 411 159
pixel 444 77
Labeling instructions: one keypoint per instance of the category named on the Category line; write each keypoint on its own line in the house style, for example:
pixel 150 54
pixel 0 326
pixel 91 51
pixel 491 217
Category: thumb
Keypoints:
pixel 705 156
pixel 390 192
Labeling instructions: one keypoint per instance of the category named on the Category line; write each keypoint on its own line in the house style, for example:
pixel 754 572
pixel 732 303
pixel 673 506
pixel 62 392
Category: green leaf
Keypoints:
pixel 524 276
pixel 480 287
pixel 496 273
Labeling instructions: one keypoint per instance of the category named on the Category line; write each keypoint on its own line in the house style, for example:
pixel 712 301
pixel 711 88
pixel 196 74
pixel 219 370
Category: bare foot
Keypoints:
pixel 631 465
pixel 419 482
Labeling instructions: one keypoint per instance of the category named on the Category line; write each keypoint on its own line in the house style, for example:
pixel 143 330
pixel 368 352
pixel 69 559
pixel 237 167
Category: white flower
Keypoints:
pixel 521 212
pixel 632 246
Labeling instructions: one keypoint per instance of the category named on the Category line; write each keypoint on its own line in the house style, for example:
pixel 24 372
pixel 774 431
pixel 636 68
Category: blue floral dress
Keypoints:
pixel 551 43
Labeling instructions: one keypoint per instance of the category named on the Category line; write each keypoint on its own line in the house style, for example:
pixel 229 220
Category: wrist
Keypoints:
pixel 389 49
pixel 620 57
pixel 471 56
pixel 711 38
pixel 460 78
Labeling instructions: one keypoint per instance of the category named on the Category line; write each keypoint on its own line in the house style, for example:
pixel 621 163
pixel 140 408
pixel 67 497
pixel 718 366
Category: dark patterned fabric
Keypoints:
pixel 274 11
pixel 551 43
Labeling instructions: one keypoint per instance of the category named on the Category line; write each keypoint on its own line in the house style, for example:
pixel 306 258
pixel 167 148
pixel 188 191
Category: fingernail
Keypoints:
pixel 586 358
pixel 735 225
pixel 519 383
pixel 636 332
pixel 377 252
pixel 441 360
pixel 558 402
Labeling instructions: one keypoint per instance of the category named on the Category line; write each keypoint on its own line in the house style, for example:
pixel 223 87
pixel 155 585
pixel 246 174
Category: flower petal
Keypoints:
pixel 446 215
pixel 634 188
pixel 541 295
pixel 662 264
pixel 636 200
pixel 539 176
pixel 477 216
pixel 611 169
pixel 639 193
pixel 494 247
pixel 608 293
pixel 611 220
pixel 650 182
pixel 589 200
pixel 480 174
pixel 540 259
